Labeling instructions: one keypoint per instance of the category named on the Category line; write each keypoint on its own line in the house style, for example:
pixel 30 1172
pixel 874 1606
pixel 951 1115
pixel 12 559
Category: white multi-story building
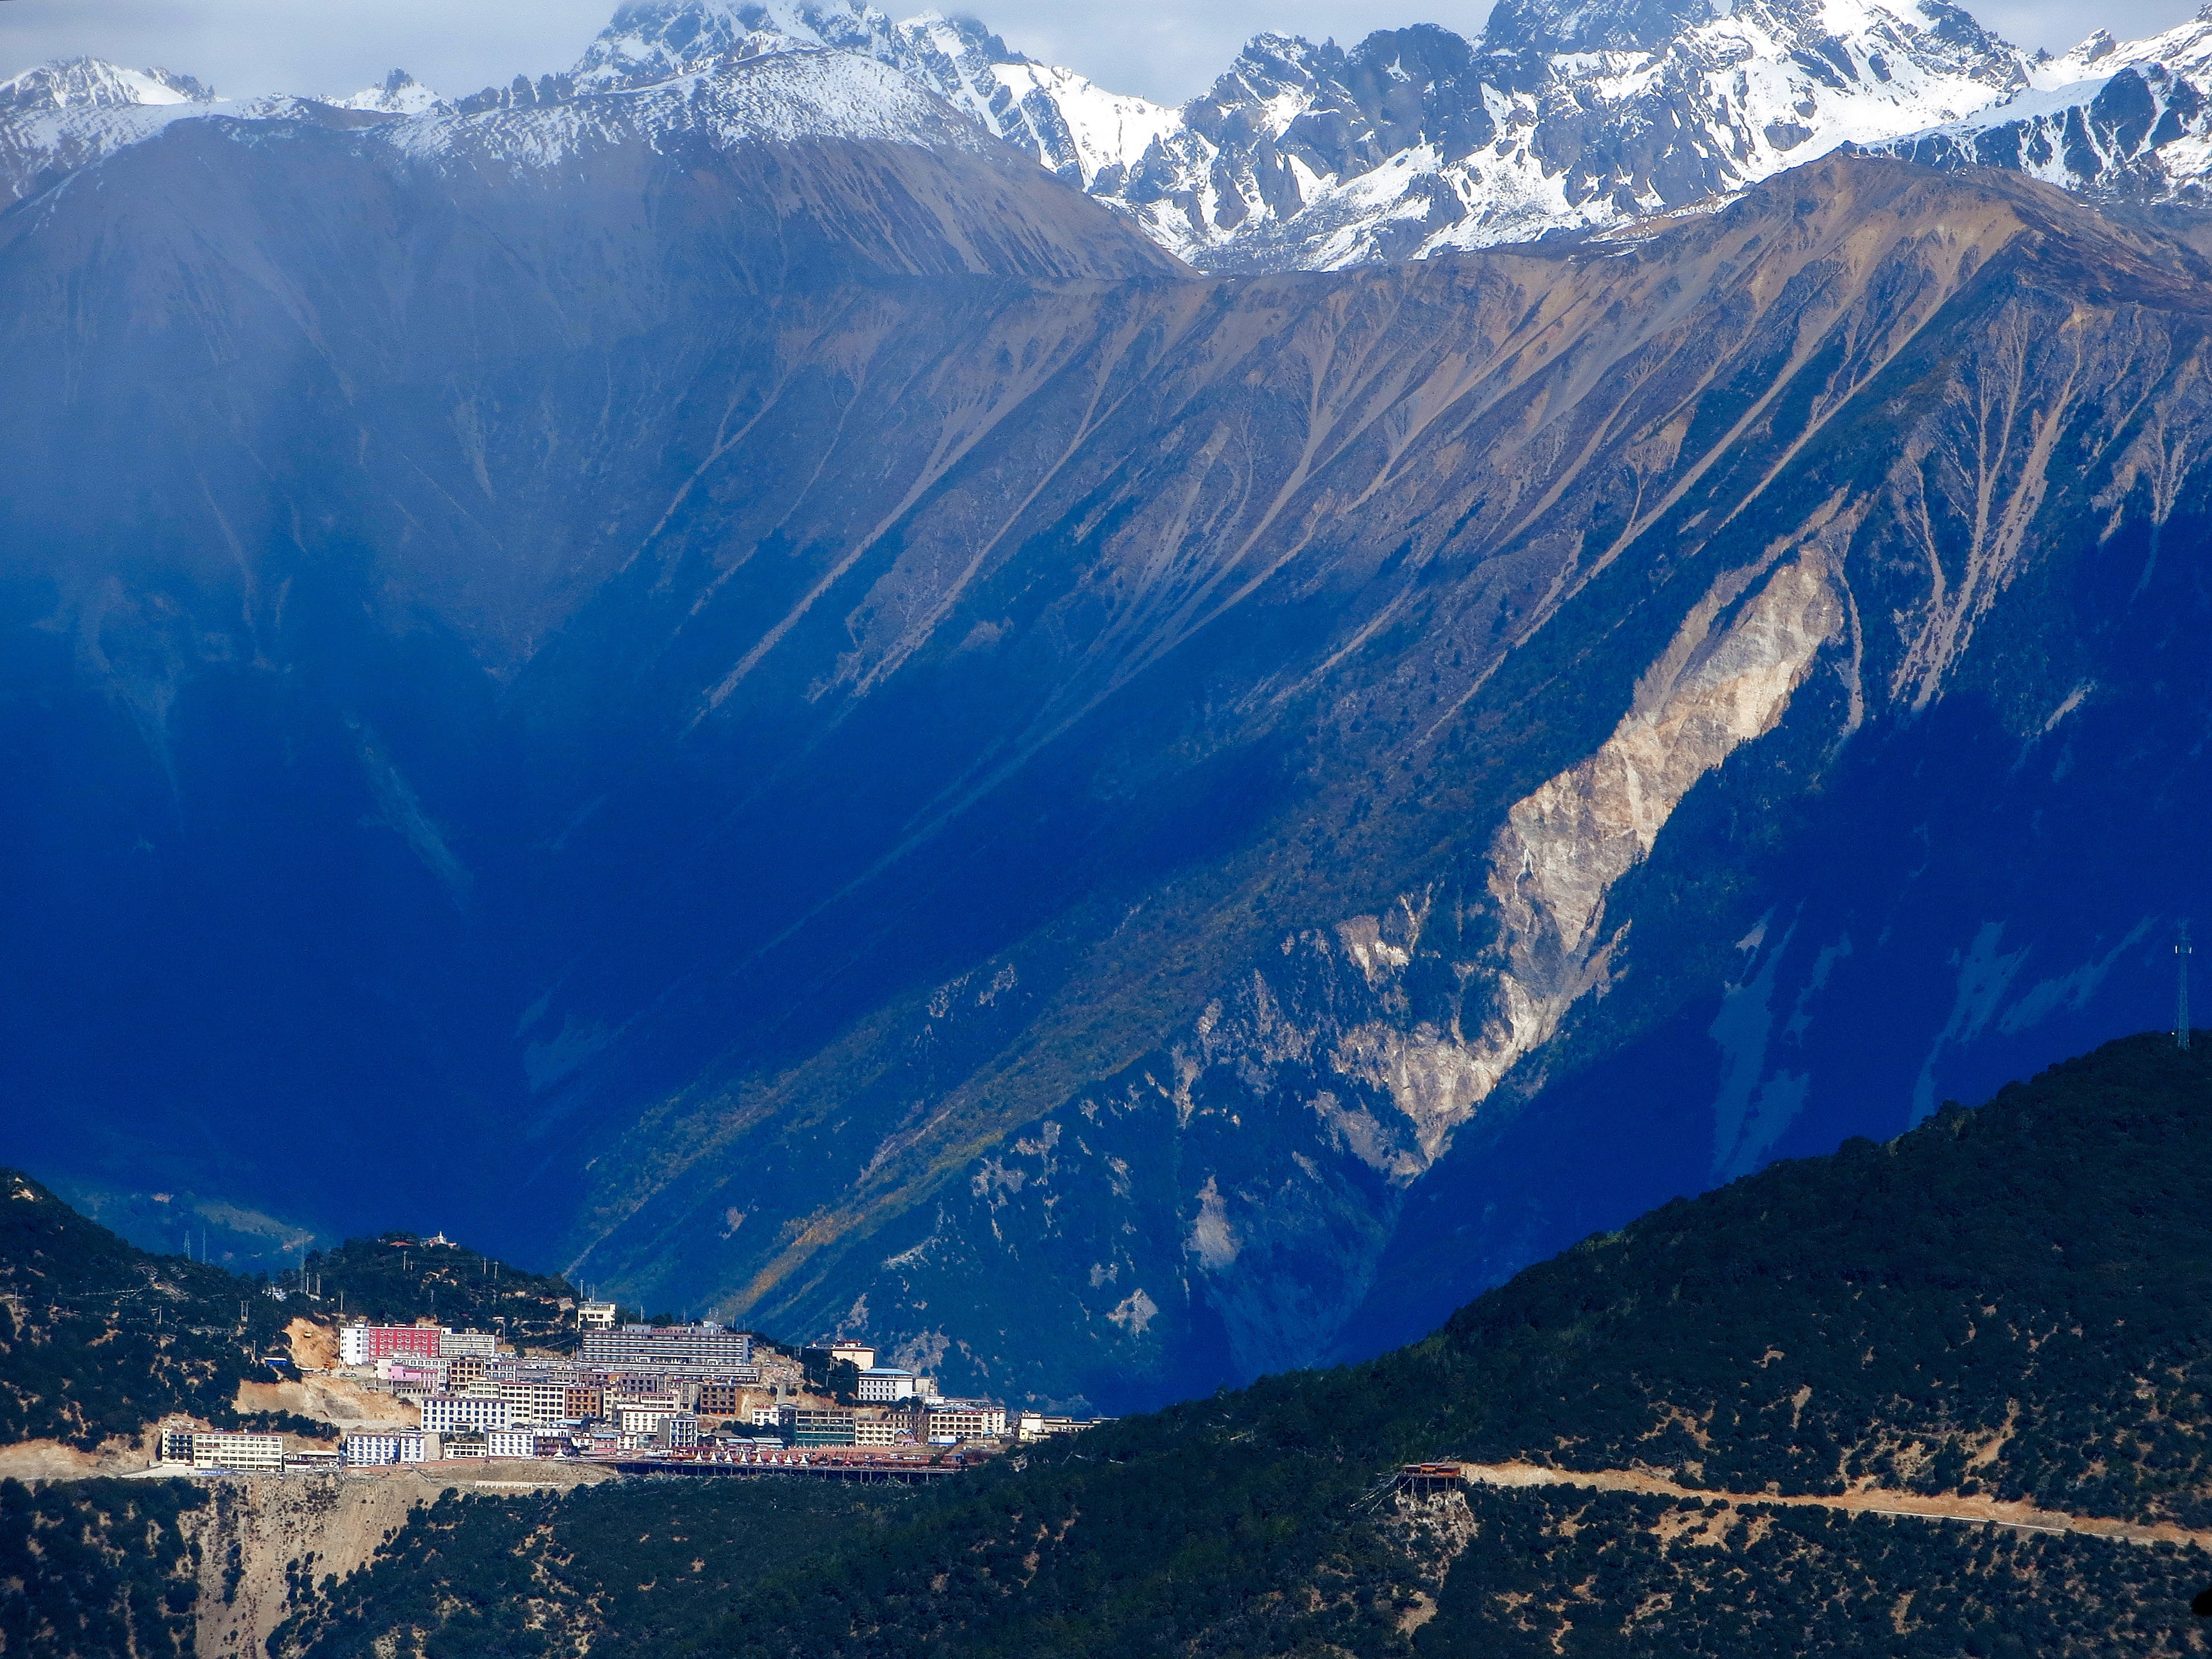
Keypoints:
pixel 1036 1425
pixel 375 1446
pixel 858 1355
pixel 522 1441
pixel 538 1401
pixel 881 1431
pixel 881 1384
pixel 596 1316
pixel 238 1451
pixel 443 1414
pixel 673 1347
pixel 949 1421
pixel 657 1426
pixel 452 1343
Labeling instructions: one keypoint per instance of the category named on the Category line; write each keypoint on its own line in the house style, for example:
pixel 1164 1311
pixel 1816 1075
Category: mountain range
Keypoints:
pixel 701 668
pixel 1556 118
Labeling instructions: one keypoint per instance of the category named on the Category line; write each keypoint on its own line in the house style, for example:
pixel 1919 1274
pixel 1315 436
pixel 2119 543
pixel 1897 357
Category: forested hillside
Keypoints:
pixel 97 1568
pixel 98 1338
pixel 2003 1303
pixel 397 1277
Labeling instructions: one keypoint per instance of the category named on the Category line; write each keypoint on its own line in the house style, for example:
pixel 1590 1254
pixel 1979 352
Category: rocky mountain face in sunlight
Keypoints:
pixel 785 713
pixel 1306 155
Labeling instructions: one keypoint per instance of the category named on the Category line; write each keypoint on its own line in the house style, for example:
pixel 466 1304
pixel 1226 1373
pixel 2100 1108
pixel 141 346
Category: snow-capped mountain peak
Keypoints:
pixel 398 93
pixel 2110 118
pixel 653 41
pixel 80 83
pixel 1563 115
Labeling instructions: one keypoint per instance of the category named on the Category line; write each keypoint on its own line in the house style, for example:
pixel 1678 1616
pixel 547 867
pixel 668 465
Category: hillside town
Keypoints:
pixel 640 1395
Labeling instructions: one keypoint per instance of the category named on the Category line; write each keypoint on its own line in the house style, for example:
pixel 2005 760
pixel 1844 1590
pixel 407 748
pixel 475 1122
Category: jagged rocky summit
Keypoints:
pixel 1555 119
pixel 1310 156
pixel 2127 121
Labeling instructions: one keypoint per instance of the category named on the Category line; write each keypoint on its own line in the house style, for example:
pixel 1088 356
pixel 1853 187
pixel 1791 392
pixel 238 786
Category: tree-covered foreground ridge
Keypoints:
pixel 1692 1436
pixel 100 1339
pixel 1994 1321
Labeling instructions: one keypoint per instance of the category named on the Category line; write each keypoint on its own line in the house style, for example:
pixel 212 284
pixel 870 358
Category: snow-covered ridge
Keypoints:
pixel 69 114
pixel 83 83
pixel 774 98
pixel 1565 115
pixel 1416 140
pixel 2110 119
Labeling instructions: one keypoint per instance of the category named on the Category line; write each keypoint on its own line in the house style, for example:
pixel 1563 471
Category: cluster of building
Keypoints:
pixel 643 1390
pixel 632 1391
pixel 186 1444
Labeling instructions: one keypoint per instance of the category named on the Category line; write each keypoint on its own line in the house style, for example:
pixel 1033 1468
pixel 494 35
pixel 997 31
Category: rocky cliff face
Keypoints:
pixel 832 736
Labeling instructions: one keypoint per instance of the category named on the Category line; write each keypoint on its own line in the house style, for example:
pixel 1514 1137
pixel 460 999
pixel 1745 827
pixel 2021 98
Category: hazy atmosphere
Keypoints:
pixel 1166 50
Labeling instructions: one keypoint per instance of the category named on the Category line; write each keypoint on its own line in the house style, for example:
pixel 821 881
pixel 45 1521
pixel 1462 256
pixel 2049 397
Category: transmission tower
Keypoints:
pixel 2181 955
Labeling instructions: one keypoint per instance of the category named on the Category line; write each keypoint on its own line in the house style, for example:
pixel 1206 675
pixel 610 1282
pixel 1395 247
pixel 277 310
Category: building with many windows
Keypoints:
pixel 950 1421
pixel 364 1344
pixel 881 1384
pixel 482 1343
pixel 582 1402
pixel 668 1347
pixel 720 1399
pixel 446 1414
pixel 1037 1426
pixel 375 1446
pixel 812 1427
pixel 524 1440
pixel 539 1401
pixel 238 1451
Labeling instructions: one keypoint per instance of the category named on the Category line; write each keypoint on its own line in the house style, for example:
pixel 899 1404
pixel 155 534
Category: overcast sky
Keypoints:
pixel 1165 49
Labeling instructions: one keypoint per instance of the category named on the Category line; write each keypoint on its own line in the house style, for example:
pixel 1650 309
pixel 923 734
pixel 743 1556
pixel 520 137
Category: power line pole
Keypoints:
pixel 2181 955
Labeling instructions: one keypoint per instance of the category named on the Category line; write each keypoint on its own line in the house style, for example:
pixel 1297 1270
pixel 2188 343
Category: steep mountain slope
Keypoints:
pixel 876 753
pixel 270 719
pixel 1994 1312
pixel 1562 660
pixel 813 726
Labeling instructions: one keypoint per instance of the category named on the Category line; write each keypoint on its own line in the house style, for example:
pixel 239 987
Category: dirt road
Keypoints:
pixel 1987 1510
